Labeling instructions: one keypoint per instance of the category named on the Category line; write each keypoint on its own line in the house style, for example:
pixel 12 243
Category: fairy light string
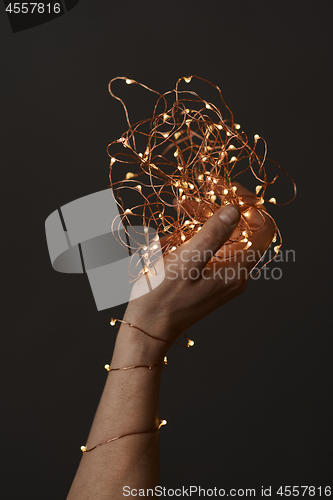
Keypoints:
pixel 186 167
pixel 176 168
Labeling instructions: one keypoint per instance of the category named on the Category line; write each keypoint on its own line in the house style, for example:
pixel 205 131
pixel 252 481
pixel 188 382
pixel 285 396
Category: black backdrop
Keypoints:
pixel 250 405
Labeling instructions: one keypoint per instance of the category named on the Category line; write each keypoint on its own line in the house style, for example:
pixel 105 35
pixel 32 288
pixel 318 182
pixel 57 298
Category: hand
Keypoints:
pixel 196 280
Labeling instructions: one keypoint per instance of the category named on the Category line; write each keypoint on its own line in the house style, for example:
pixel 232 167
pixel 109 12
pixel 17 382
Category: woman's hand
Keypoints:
pixel 196 280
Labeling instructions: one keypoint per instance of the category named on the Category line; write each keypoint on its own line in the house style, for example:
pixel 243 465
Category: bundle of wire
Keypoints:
pixel 183 163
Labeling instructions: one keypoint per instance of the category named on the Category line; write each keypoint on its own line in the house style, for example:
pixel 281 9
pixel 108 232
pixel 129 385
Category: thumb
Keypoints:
pixel 214 233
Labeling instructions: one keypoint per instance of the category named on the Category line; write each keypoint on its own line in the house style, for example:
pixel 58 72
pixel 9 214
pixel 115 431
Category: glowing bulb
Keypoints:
pixel 237 126
pixel 246 214
pixel 83 449
pixel 173 249
pixel 272 200
pixel 257 137
pixel 244 233
pixel 183 237
pixel 228 134
pixel 175 154
pixel 183 197
pixel 245 240
pixel 162 422
pixel 241 202
pixel 107 367
pixel 128 211
pixel 181 191
pixel 277 248
pixel 145 248
pixel 225 191
pixel 129 175
pixel 204 158
pixel 155 247
pixel 190 343
pixel 128 81
pixel 274 238
pixel 211 192
pixel 138 187
pixel 234 188
pixel 231 147
pixel 112 322
pixel 258 188
pixel 219 127
pixel 191 186
pixel 112 160
pixel 177 135
pixel 141 155
pixel 233 158
pixel 213 198
pixel 165 135
pixel 208 106
pixel 146 229
pixel 187 79
pixel 165 360
pixel 165 116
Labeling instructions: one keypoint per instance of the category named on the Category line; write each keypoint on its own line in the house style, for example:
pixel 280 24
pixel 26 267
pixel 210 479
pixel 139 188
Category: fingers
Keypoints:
pixel 214 233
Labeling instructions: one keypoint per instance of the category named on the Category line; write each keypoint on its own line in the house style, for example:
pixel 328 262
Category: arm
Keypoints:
pixel 129 403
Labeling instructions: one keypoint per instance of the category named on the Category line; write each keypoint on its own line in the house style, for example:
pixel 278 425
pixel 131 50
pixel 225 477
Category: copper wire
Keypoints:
pixel 190 153
pixel 84 449
pixel 189 341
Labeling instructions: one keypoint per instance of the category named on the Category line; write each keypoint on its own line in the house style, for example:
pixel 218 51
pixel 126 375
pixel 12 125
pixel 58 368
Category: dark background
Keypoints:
pixel 250 405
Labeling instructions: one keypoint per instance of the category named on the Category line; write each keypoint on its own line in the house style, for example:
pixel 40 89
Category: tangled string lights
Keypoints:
pixel 181 165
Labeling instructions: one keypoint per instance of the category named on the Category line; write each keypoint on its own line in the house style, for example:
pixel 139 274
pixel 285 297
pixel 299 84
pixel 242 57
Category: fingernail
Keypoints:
pixel 229 215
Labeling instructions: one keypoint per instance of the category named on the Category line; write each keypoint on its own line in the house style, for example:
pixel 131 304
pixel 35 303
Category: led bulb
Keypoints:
pixel 272 200
pixel 107 367
pixel 257 137
pixel 187 79
pixel 112 161
pixel 129 81
pixel 83 449
pixel 258 189
pixel 233 158
pixel 112 322
pixel 129 175
pixel 190 343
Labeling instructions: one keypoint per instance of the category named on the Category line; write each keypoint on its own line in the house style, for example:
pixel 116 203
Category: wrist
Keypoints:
pixel 133 348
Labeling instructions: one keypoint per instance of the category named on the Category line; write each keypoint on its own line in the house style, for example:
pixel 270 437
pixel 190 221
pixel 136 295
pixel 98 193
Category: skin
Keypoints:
pixel 129 402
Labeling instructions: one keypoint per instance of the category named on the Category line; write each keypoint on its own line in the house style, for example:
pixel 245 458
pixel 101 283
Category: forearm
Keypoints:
pixel 129 404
